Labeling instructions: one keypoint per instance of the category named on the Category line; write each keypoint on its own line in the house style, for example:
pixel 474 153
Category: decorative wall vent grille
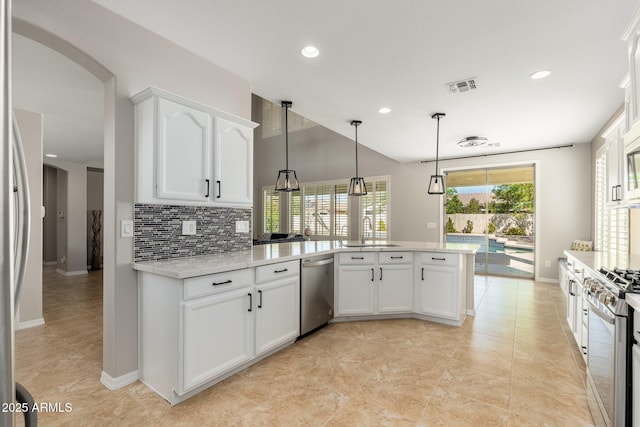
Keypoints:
pixel 462 85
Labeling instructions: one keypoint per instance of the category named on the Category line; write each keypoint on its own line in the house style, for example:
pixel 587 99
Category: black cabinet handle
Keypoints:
pixel 260 301
pixel 207 182
pixel 397 257
pixel 221 283
pixel 584 350
pixel 613 193
pixel 281 271
pixel 357 257
pixel 380 273
pixel 219 189
pixel 372 277
pixel 438 259
pixel 250 301
pixel 619 192
pixel 422 273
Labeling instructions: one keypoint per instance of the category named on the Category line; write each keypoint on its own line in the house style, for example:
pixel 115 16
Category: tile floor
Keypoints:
pixel 513 364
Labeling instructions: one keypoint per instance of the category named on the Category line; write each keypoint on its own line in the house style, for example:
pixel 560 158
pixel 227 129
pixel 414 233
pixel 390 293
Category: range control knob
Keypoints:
pixel 607 299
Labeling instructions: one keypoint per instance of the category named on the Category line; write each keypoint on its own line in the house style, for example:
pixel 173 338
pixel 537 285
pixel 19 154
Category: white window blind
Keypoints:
pixel 271 211
pixel 375 207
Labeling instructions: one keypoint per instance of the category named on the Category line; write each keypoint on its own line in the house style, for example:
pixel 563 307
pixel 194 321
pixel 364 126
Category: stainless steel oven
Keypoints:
pixel 608 339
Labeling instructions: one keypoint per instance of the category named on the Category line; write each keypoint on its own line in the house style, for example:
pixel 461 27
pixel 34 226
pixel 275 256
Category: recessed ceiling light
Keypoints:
pixel 540 74
pixel 384 110
pixel 51 155
pixel 310 52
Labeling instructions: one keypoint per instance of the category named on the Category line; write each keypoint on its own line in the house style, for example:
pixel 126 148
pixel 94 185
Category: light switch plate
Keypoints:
pixel 188 228
pixel 126 228
pixel 242 226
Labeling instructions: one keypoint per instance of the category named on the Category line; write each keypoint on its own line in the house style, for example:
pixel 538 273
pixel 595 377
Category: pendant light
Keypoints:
pixel 436 183
pixel 287 179
pixel 357 186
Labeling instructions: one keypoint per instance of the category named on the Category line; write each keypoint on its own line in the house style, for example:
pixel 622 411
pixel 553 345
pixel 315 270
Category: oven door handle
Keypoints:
pixel 601 314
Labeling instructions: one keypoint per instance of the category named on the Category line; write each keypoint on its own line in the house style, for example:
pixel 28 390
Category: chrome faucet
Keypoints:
pixel 363 229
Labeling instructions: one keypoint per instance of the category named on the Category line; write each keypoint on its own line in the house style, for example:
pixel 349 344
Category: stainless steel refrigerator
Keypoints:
pixel 14 231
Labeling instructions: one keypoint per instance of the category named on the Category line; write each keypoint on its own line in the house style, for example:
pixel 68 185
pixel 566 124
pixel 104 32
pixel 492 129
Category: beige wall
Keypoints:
pixel 30 309
pixel 128 59
pixel 563 185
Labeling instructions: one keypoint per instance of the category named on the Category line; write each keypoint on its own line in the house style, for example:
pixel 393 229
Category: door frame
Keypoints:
pixel 536 201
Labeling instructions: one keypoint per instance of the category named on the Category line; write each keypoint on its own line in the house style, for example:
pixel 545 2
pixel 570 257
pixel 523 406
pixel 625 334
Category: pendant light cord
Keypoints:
pixel 357 151
pixel 286 135
pixel 437 142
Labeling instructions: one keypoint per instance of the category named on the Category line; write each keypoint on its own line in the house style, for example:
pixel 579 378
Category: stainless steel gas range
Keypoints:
pixel 609 344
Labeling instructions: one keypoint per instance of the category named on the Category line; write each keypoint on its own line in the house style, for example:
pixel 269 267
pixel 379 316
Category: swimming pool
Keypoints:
pixel 494 245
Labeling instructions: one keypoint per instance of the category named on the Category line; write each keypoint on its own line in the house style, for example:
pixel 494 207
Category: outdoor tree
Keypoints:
pixel 511 198
pixel 454 204
pixel 473 206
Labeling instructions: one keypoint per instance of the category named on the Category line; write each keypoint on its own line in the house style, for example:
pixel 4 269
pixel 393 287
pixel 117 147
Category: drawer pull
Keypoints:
pixel 221 283
pixel 207 182
pixel 423 273
pixel 250 301
pixel 372 277
pixel 357 257
pixel 281 271
pixel 380 273
pixel 260 301
pixel 219 190
pixel 438 259
pixel 397 257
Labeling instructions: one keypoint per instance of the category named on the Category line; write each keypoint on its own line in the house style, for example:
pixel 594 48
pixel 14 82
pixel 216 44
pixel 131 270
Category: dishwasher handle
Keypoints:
pixel 317 263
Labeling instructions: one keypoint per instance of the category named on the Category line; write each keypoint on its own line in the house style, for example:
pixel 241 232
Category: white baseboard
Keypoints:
pixel 30 324
pixel 119 382
pixel 471 312
pixel 71 273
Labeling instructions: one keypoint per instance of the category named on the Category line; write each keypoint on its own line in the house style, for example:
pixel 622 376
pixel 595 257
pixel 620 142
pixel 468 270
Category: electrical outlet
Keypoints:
pixel 242 226
pixel 547 264
pixel 188 228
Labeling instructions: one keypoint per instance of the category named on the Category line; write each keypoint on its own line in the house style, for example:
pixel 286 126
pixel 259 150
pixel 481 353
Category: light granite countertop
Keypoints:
pixel 183 268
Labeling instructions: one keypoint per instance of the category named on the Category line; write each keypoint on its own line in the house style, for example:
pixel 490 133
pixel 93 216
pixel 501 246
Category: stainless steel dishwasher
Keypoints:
pixel 316 292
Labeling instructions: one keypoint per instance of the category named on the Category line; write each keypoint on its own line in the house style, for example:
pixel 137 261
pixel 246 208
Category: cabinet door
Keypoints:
pixel 614 169
pixel 183 152
pixel 438 292
pixel 356 286
pixel 218 334
pixel 234 163
pixel 277 313
pixel 635 393
pixel 395 289
pixel 571 304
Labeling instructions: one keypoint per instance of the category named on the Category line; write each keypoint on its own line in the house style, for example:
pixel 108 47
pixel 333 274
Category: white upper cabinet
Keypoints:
pixel 234 162
pixel 188 153
pixel 183 152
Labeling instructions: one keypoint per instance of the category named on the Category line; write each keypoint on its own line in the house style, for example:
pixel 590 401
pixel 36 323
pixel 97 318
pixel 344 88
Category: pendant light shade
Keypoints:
pixel 357 186
pixel 287 179
pixel 436 183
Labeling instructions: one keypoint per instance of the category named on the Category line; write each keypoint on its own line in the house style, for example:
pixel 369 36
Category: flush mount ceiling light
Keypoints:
pixel 357 186
pixel 436 183
pixel 287 179
pixel 384 110
pixel 472 141
pixel 540 74
pixel 310 51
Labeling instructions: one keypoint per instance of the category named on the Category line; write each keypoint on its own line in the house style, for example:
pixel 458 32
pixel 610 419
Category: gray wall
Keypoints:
pixel 563 185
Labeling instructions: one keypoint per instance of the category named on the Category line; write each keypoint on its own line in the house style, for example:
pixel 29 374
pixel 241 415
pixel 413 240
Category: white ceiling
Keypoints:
pixel 374 53
pixel 69 97
pixel 401 54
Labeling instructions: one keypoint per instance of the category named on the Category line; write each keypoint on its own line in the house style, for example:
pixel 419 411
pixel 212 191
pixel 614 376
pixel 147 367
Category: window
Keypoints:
pixel 271 211
pixel 375 207
pixel 324 208
pixel 611 225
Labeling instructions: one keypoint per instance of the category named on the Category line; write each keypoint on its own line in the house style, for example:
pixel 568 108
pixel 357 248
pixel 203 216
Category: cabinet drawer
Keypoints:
pixel 355 258
pixel 395 257
pixel 215 283
pixel 440 258
pixel 280 270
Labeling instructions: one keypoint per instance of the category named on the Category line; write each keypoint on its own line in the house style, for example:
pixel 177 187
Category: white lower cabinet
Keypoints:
pixel 197 331
pixel 371 283
pixel 439 290
pixel 277 305
pixel 218 335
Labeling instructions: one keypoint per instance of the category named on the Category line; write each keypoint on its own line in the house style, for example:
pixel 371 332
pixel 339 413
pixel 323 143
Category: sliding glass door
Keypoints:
pixel 494 208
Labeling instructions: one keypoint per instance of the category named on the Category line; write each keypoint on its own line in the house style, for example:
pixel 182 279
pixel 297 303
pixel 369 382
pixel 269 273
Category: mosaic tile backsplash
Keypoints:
pixel 158 231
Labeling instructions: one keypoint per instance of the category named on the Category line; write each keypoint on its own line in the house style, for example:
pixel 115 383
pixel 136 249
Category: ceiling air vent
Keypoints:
pixel 462 86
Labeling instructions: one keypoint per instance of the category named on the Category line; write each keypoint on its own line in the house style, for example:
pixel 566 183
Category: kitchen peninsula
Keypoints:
pixel 205 318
